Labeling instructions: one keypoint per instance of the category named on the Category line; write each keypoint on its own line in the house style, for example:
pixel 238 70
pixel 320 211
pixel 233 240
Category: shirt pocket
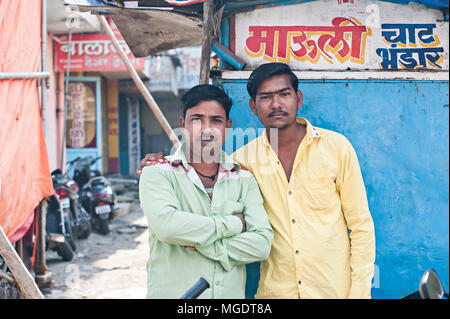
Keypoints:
pixel 319 193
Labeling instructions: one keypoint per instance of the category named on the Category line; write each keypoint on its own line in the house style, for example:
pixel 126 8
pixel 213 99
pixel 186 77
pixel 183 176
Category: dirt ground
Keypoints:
pixel 105 267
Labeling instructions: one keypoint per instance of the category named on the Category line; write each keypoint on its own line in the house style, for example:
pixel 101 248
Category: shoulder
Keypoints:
pixel 156 168
pixel 333 138
pixel 247 154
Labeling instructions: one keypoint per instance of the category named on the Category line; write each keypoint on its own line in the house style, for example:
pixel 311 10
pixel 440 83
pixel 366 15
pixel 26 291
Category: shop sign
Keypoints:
pixel 93 52
pixel 334 35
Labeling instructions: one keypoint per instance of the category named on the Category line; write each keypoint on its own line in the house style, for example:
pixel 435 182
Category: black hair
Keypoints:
pixel 205 92
pixel 266 71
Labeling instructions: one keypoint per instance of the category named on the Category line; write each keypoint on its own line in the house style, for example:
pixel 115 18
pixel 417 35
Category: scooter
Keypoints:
pixel 97 196
pixel 430 287
pixel 67 193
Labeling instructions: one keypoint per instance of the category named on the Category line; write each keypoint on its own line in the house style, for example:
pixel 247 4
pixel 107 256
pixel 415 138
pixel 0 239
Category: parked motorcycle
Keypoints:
pixel 67 193
pixel 58 229
pixel 97 196
pixel 430 287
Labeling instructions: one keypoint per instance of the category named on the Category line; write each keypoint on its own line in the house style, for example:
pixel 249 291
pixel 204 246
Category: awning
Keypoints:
pixel 169 24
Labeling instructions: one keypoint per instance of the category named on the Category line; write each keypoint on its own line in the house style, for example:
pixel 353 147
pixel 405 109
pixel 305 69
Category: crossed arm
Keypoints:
pixel 218 237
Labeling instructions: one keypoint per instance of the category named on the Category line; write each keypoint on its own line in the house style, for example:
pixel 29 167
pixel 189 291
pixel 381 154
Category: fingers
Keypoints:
pixel 154 156
pixel 241 217
pixel 148 159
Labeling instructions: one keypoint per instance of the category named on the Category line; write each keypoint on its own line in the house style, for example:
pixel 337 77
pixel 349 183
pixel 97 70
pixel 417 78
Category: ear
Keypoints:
pixel 299 99
pixel 229 122
pixel 252 105
pixel 181 121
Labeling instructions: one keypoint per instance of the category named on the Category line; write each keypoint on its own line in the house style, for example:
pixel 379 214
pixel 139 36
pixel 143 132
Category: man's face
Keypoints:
pixel 206 124
pixel 276 102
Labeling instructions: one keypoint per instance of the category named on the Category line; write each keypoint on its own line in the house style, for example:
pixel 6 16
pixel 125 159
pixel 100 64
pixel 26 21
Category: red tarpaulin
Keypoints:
pixel 24 168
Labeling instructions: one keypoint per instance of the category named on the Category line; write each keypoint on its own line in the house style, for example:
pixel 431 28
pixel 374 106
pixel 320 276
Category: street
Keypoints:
pixel 105 267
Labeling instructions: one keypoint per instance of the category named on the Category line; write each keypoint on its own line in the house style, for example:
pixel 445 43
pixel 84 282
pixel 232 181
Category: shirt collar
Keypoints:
pixel 311 132
pixel 179 158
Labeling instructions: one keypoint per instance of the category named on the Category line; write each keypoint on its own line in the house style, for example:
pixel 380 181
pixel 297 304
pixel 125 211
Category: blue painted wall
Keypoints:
pixel 400 131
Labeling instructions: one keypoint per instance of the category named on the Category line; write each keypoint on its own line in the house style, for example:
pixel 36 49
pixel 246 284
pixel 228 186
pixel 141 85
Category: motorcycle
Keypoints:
pixel 67 193
pixel 97 196
pixel 430 287
pixel 58 230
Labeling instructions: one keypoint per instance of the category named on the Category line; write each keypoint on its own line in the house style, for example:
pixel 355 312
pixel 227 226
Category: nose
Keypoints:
pixel 276 102
pixel 207 129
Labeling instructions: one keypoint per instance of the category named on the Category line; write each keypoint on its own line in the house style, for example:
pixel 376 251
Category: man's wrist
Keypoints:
pixel 233 225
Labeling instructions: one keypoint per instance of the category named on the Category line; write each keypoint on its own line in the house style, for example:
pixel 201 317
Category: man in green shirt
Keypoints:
pixel 205 212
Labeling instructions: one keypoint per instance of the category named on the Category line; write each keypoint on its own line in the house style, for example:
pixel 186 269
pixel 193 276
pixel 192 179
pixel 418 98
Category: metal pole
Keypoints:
pixel 140 85
pixel 23 75
pixel 66 102
pixel 207 41
pixel 42 277
pixel 228 56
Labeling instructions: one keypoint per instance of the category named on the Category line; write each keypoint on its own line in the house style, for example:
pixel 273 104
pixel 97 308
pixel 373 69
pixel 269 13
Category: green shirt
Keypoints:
pixel 180 213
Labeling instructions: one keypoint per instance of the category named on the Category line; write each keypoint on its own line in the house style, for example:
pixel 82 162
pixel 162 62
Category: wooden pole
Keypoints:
pixel 43 277
pixel 20 273
pixel 207 41
pixel 140 85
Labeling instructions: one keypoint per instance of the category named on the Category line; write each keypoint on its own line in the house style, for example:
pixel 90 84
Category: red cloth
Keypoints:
pixel 24 168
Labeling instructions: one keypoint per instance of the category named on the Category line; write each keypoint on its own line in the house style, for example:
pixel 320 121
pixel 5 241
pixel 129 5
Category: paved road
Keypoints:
pixel 105 267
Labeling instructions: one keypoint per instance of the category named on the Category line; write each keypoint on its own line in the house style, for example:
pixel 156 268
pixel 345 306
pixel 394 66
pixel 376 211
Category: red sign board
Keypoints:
pixel 93 52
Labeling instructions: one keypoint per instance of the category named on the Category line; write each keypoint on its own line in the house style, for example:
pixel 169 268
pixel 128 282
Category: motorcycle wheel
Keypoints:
pixel 103 227
pixel 65 251
pixel 87 231
pixel 70 237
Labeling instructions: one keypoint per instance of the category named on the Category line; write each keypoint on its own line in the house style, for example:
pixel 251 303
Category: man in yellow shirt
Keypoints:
pixel 314 195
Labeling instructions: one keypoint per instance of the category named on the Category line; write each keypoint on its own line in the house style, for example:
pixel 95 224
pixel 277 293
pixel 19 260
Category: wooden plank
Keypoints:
pixel 23 278
pixel 207 41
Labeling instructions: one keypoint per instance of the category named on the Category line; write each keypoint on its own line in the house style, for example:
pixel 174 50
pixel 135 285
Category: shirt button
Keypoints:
pixel 217 283
pixel 290 193
pixel 297 252
pixel 293 221
pixel 278 162
pixel 299 282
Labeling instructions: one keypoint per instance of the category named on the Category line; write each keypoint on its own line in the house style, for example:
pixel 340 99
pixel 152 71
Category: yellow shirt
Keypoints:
pixel 314 217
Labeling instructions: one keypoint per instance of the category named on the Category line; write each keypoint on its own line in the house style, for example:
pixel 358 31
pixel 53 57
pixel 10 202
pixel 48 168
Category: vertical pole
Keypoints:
pixel 66 104
pixel 207 40
pixel 43 277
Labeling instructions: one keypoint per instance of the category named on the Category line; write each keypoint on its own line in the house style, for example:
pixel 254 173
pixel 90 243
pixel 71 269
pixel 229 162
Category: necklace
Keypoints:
pixel 212 177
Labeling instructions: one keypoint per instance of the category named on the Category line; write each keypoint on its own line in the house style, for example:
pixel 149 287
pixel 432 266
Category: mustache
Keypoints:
pixel 278 113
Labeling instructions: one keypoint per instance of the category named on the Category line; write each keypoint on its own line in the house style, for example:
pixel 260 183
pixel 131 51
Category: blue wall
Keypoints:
pixel 400 131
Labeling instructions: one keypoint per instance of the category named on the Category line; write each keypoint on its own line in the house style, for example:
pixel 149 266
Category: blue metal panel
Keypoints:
pixel 400 132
